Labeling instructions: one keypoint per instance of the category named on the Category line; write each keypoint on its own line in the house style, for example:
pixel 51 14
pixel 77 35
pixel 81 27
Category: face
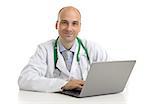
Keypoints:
pixel 68 25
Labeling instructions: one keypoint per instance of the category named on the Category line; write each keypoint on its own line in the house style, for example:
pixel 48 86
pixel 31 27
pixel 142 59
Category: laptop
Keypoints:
pixel 105 78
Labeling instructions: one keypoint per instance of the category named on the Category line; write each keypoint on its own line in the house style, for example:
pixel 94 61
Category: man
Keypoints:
pixel 62 63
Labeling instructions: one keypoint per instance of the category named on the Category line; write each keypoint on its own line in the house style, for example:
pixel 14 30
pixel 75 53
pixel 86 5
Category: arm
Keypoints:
pixel 33 77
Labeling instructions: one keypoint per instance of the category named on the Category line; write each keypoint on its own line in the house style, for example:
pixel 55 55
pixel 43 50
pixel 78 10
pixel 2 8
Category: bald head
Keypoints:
pixel 68 24
pixel 69 9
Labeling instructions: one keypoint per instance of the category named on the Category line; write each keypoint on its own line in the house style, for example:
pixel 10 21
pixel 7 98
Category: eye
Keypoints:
pixel 64 22
pixel 75 23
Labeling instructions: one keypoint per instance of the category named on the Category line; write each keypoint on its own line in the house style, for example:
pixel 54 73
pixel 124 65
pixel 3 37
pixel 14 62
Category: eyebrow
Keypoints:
pixel 63 20
pixel 72 21
pixel 75 21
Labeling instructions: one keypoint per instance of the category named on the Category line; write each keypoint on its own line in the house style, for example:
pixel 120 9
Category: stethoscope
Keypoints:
pixel 78 59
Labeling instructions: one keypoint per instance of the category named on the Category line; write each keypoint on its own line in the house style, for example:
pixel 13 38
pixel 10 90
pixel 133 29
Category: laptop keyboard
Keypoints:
pixel 72 92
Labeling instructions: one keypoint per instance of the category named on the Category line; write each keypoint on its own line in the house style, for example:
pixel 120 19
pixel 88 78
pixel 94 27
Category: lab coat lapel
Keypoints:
pixel 61 63
pixel 75 65
pixel 82 64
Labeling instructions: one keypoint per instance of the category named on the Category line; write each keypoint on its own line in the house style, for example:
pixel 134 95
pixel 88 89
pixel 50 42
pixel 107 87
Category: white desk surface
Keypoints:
pixel 27 97
pixel 38 98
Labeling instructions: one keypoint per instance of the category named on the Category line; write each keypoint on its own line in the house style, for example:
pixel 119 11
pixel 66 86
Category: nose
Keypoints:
pixel 69 27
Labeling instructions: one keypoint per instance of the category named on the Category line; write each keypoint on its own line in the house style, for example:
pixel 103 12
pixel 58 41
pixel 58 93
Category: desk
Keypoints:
pixel 27 97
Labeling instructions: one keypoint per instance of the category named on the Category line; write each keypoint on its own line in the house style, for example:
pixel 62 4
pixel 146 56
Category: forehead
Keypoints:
pixel 69 14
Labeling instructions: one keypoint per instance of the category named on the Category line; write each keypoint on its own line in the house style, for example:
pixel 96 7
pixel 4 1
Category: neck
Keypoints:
pixel 67 45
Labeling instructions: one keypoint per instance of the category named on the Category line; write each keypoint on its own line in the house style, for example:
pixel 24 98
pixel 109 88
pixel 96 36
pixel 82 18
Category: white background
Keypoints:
pixel 122 27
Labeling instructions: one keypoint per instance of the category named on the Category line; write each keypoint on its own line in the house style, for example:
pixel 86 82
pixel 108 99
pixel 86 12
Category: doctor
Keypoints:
pixel 62 63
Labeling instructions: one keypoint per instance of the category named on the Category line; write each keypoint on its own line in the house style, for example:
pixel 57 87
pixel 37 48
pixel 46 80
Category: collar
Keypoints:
pixel 62 48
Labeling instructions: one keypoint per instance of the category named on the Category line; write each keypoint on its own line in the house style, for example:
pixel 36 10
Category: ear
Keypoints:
pixel 56 25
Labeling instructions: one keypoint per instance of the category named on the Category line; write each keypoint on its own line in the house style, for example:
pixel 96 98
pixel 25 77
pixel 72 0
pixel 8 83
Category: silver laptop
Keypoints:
pixel 105 78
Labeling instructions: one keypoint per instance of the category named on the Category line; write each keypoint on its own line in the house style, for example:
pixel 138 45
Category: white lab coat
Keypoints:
pixel 41 75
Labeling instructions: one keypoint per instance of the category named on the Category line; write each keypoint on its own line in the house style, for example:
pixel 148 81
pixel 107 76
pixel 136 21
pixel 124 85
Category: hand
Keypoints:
pixel 74 84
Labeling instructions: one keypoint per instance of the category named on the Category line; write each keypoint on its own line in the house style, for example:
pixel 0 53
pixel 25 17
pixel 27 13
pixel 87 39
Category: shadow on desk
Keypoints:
pixel 28 97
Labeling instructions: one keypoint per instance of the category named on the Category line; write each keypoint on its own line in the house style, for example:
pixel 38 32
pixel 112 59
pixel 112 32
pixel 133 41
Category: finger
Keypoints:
pixel 81 83
pixel 79 87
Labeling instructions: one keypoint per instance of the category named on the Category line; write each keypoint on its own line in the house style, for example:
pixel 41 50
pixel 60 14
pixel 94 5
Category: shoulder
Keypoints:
pixel 96 51
pixel 90 44
pixel 47 44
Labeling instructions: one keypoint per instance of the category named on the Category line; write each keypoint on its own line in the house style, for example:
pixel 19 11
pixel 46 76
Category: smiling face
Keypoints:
pixel 68 24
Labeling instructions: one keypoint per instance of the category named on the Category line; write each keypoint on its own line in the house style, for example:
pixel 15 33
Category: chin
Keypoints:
pixel 69 39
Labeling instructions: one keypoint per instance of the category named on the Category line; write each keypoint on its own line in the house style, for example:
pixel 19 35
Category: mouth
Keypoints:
pixel 68 34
